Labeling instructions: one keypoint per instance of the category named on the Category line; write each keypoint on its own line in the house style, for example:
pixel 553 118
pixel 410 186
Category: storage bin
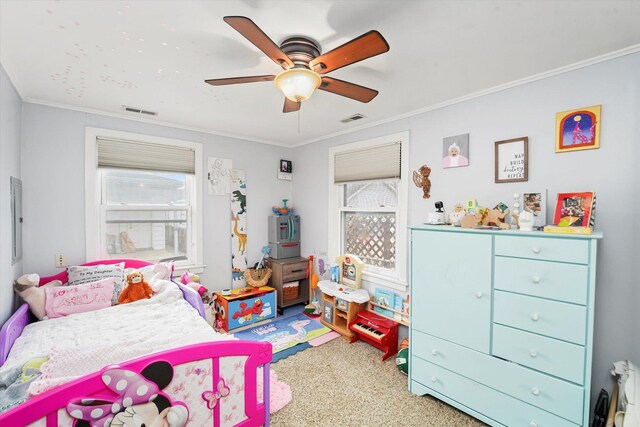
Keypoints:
pixel 290 290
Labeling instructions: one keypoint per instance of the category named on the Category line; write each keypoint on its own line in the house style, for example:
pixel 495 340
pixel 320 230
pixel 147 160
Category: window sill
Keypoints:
pixel 195 269
pixel 386 281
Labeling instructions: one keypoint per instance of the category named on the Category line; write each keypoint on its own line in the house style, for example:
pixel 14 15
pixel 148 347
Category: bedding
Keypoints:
pixel 82 343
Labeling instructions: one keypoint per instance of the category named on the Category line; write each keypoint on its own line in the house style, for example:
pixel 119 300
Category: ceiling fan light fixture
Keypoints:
pixel 298 84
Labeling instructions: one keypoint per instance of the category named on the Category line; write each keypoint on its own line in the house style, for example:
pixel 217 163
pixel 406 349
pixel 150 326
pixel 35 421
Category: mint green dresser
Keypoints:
pixel 502 323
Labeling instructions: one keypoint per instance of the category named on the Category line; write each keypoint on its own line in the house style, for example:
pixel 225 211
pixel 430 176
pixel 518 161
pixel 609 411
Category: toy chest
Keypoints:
pixel 290 291
pixel 245 306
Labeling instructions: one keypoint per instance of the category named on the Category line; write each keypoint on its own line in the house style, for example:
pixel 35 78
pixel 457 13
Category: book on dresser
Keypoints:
pixel 502 323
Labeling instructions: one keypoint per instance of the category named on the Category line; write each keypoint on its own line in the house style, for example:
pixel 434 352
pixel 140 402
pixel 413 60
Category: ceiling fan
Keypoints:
pixel 304 66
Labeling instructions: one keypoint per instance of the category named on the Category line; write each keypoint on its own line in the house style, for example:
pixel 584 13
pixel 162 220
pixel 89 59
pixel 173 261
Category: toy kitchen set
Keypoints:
pixel 284 236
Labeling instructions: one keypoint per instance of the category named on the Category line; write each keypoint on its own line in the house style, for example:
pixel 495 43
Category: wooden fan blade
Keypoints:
pixel 363 47
pixel 350 90
pixel 255 35
pixel 290 106
pixel 236 80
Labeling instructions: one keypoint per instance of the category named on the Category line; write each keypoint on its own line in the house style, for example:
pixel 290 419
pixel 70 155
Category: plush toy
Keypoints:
pixel 27 288
pixel 193 281
pixel 136 289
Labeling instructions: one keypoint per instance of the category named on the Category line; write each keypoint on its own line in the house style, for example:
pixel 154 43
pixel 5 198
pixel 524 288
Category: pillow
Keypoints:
pixel 65 300
pixel 27 288
pixel 152 273
pixel 79 275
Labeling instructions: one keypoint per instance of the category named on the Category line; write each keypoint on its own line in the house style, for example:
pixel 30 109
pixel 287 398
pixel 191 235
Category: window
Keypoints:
pixel 143 198
pixel 368 206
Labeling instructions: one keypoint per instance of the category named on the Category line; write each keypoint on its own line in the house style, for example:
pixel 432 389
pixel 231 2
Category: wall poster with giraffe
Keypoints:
pixel 238 228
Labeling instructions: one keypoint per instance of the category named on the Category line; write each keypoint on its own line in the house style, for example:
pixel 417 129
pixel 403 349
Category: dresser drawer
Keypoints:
pixel 503 409
pixel 544 248
pixel 555 357
pixel 551 394
pixel 553 280
pixel 294 271
pixel 554 319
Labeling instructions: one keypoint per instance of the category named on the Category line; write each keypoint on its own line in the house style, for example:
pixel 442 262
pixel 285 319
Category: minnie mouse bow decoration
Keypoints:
pixel 212 397
pixel 131 388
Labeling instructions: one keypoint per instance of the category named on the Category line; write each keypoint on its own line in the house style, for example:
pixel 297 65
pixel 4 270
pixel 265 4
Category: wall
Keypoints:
pixel 528 110
pixel 10 121
pixel 53 157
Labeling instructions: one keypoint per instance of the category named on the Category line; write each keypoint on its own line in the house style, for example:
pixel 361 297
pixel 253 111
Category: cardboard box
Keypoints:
pixel 246 306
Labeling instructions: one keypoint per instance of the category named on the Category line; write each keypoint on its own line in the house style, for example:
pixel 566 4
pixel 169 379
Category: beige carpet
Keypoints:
pixel 342 384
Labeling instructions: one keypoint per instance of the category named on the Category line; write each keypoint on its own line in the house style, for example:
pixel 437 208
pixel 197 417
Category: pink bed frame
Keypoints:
pixel 46 407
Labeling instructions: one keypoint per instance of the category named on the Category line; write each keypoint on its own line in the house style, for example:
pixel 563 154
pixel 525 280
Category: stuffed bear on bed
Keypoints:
pixel 136 289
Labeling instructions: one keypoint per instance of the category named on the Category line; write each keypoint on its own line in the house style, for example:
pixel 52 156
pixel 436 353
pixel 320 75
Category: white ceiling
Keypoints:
pixel 100 55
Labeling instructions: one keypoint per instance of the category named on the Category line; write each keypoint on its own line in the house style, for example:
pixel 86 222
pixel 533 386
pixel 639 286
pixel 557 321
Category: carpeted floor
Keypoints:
pixel 342 384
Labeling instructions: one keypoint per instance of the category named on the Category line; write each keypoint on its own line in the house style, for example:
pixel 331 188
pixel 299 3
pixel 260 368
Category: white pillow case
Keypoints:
pixel 79 275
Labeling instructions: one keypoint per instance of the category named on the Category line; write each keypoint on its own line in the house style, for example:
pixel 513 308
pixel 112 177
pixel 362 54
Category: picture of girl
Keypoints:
pixel 455 151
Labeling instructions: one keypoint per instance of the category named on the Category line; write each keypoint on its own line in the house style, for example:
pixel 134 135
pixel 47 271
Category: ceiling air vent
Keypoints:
pixel 139 111
pixel 352 118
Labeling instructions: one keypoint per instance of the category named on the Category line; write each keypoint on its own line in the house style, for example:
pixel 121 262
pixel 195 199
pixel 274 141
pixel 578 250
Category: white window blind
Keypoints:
pixel 123 154
pixel 365 164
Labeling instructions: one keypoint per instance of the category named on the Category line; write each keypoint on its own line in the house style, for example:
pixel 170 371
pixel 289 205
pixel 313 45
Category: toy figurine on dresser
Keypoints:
pixel 342 299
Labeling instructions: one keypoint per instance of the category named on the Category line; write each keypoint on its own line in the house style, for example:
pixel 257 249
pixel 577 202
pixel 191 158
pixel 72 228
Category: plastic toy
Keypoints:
pixel 193 281
pixel 284 210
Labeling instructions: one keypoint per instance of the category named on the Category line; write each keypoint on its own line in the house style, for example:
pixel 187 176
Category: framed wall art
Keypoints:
pixel 455 151
pixel 578 129
pixel 511 162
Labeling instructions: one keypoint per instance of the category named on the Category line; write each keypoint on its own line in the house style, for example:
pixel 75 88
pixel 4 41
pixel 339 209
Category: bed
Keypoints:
pixel 150 361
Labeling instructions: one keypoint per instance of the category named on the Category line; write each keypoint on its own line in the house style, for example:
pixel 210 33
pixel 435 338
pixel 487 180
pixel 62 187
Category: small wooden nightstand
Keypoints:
pixel 289 270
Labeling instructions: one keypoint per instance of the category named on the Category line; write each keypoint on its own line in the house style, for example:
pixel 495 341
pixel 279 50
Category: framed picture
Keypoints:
pixel 511 160
pixel 327 313
pixel 286 166
pixel 455 151
pixel 578 129
pixel 575 209
pixel 536 203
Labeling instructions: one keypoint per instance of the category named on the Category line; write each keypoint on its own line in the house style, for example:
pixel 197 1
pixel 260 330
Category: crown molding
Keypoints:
pixel 561 70
pixel 149 121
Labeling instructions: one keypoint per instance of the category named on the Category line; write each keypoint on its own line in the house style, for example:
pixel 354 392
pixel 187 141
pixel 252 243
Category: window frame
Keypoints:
pixel 335 238
pixel 94 210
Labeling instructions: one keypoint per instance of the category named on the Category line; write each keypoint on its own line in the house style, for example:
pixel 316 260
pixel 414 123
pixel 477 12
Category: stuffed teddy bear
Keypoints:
pixel 27 288
pixel 136 289
pixel 193 281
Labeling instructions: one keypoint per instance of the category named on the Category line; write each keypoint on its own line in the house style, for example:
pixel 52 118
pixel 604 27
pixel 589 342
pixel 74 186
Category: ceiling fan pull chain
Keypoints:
pixel 298 121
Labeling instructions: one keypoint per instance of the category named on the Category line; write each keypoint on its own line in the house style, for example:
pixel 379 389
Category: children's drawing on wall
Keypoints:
pixel 218 175
pixel 238 189
pixel 455 151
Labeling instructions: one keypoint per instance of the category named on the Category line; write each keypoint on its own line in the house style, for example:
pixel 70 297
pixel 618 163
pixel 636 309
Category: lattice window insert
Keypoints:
pixel 371 236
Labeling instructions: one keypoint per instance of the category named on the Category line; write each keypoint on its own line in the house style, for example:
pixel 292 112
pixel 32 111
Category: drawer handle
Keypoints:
pixel 434 379
pixel 535 249
pixel 535 391
pixel 296 271
pixel 533 424
pixel 535 317
pixel 478 294
pixel 434 352
pixel 533 353
pixel 535 279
